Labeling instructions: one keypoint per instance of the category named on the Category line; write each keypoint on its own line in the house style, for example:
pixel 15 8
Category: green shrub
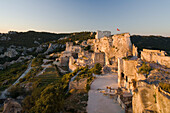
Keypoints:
pixel 165 86
pixel 22 80
pixel 97 68
pixel 37 62
pixel 144 69
pixel 16 91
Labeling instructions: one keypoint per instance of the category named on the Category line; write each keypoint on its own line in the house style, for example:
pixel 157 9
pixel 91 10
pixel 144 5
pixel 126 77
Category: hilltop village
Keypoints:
pixel 142 78
pixel 139 74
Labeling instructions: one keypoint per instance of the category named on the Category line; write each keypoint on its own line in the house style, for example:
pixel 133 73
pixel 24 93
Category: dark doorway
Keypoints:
pixel 126 78
pixel 122 75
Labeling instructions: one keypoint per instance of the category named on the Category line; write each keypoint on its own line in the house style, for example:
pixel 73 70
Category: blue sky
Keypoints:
pixel 134 16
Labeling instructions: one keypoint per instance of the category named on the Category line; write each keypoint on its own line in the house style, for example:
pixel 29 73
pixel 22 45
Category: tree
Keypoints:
pixel 97 68
pixel 51 100
pixel 16 91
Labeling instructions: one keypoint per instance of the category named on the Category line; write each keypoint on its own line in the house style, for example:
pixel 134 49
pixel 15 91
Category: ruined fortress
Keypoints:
pixel 117 52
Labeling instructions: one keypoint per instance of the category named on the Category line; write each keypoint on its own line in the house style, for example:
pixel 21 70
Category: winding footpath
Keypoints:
pixel 3 94
pixel 97 102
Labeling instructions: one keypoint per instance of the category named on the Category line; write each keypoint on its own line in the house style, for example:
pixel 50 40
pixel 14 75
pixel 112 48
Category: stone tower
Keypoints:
pixel 69 46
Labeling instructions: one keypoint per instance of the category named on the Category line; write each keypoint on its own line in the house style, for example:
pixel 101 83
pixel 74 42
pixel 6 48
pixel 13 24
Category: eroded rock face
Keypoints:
pixel 11 53
pixel 12 106
pixel 52 47
pixel 122 45
pixel 149 99
pixel 39 49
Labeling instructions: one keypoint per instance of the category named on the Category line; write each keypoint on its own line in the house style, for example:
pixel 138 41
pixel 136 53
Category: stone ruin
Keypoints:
pixel 99 57
pixel 115 46
pixel 146 97
pixel 101 34
pixel 107 49
pixel 157 56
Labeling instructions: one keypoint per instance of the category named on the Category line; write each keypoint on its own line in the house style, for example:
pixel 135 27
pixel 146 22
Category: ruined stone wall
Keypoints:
pixel 99 58
pixel 114 47
pixel 130 67
pixel 72 65
pixel 135 51
pixel 120 70
pixel 126 72
pixel 156 56
pixel 76 49
pixel 100 34
pixel 146 56
pixel 122 45
pixel 160 52
pixel 164 60
pixel 69 46
pixel 104 45
pixel 64 61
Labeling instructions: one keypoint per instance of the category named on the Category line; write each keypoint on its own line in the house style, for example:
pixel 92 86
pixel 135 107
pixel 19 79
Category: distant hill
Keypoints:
pixel 27 38
pixel 151 42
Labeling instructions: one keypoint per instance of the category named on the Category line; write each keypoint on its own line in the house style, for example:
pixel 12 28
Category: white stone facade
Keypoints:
pixel 100 34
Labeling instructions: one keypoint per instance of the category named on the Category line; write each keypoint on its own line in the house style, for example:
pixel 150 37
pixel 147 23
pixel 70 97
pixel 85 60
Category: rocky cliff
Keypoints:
pixel 148 98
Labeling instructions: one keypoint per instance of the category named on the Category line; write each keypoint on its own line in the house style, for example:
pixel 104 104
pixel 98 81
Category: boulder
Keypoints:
pixel 12 106
pixel 51 48
pixel 11 53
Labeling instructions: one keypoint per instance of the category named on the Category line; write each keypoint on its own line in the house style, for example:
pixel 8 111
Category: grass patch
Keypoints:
pixel 11 74
pixel 144 69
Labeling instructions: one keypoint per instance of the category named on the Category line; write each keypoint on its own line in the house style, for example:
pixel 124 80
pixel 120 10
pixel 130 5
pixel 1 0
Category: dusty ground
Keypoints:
pixel 97 102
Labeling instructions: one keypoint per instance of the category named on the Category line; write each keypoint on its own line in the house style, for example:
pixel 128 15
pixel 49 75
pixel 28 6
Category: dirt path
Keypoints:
pixel 97 102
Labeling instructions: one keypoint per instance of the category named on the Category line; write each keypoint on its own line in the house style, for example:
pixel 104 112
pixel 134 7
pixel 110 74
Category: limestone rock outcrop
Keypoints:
pixel 52 47
pixel 149 99
pixel 12 106
pixel 11 53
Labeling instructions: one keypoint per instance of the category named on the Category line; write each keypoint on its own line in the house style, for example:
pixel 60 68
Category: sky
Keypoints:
pixel 143 17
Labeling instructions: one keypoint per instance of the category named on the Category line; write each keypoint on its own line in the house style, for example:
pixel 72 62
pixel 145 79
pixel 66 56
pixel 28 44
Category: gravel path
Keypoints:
pixel 97 102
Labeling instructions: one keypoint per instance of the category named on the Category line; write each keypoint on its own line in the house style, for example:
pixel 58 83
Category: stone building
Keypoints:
pixel 99 57
pixel 64 61
pixel 100 34
pixel 71 48
pixel 126 72
pixel 114 47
